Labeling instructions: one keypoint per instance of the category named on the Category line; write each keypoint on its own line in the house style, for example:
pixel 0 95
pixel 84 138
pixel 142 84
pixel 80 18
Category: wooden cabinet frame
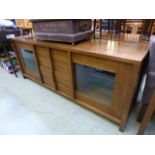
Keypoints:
pixel 21 60
pixel 62 60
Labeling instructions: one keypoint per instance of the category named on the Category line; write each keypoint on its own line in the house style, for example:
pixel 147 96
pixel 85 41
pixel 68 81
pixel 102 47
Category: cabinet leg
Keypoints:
pixel 121 127
pixel 140 132
pixel 24 77
pixel 15 74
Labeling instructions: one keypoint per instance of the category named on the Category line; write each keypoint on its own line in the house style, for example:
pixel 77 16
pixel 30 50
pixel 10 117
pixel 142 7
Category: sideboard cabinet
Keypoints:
pixel 97 74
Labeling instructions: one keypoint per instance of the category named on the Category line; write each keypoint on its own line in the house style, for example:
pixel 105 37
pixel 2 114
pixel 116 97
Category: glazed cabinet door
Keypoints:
pixel 100 84
pixel 28 59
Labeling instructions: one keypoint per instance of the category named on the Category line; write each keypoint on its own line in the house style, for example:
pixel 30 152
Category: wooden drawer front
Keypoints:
pixel 44 57
pixel 62 67
pixel 64 89
pixel 63 79
pixel 46 75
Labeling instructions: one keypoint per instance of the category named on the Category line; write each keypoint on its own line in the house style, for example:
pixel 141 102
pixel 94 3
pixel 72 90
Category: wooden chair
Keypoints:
pixel 94 27
pixel 147 27
pixel 149 112
pixel 113 25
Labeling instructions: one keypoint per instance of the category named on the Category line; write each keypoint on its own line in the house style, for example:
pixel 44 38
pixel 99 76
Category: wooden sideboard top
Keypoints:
pixel 114 50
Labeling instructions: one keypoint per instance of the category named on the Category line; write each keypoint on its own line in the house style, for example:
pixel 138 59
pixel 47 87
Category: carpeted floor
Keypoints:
pixel 28 108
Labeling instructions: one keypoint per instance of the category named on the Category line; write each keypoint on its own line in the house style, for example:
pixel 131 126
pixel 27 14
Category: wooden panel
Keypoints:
pixel 46 72
pixel 64 89
pixel 95 62
pixel 46 75
pixel 62 71
pixel 49 86
pixel 61 61
pixel 120 93
pixel 45 65
pixel 37 62
pixel 31 77
pixel 98 111
pixel 62 67
pixel 43 52
pixel 60 56
pixel 63 79
pixel 44 62
pixel 92 102
pixel 48 81
pixel 73 79
pixel 130 92
pixel 44 57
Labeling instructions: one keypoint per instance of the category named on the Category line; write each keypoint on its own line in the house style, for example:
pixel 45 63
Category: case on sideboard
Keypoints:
pixel 62 30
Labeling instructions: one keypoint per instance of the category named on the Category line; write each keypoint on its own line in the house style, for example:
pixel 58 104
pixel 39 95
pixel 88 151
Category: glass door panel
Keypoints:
pixel 29 61
pixel 96 83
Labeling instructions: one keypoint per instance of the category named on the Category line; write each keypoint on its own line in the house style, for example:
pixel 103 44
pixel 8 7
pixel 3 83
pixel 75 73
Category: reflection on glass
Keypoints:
pixel 95 83
pixel 29 61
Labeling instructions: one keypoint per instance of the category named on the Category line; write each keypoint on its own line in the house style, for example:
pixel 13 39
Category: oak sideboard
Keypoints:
pixel 101 75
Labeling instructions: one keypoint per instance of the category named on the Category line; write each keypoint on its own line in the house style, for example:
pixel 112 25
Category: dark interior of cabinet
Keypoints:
pixel 94 82
pixel 29 61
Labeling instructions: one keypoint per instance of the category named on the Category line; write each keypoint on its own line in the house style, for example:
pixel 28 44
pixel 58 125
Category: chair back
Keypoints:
pixel 150 80
pixel 152 55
